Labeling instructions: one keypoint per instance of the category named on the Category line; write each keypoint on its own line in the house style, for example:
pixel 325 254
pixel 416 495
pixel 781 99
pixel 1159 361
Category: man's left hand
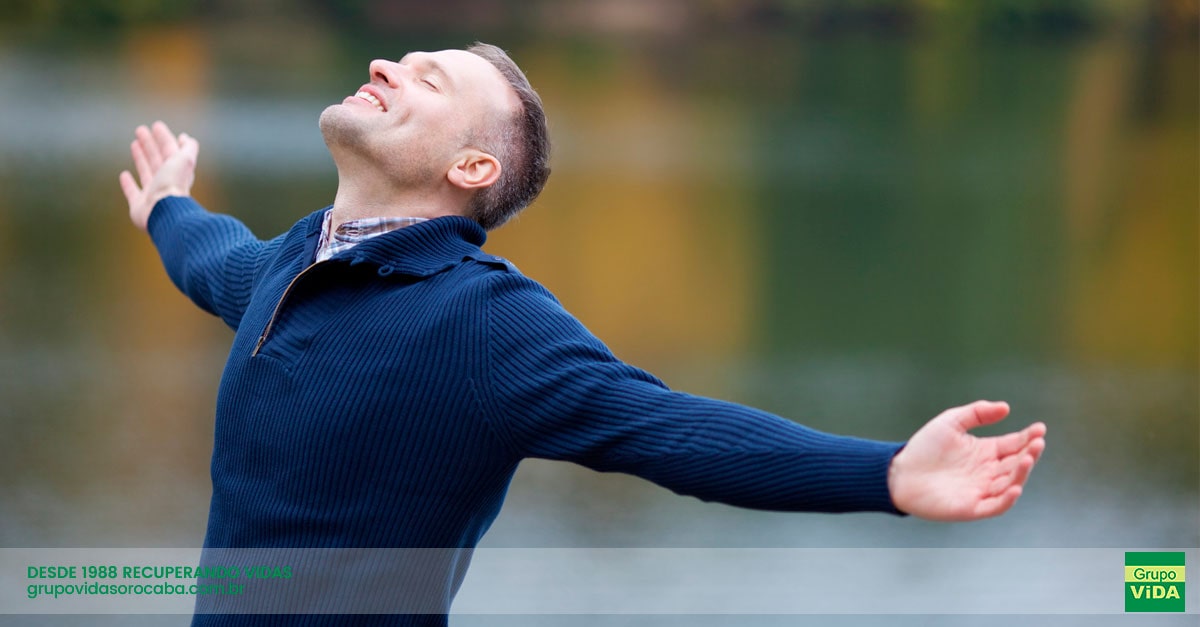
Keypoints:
pixel 947 474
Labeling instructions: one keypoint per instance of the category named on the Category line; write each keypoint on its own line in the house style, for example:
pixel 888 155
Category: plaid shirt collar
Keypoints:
pixel 348 234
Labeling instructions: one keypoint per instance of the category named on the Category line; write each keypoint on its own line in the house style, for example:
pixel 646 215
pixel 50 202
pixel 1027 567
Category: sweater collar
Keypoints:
pixel 419 250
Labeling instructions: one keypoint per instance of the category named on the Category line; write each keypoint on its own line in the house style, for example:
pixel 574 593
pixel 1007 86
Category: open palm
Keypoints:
pixel 165 166
pixel 945 473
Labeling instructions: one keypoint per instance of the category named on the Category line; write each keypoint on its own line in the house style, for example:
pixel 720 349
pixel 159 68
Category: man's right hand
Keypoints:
pixel 166 166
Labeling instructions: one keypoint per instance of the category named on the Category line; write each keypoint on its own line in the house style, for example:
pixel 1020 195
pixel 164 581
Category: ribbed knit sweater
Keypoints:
pixel 384 398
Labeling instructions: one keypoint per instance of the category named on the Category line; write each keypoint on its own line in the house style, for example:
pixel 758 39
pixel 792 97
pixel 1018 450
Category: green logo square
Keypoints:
pixel 1154 582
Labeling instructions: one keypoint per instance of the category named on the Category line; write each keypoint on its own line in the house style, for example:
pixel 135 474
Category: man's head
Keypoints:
pixel 457 124
pixel 522 142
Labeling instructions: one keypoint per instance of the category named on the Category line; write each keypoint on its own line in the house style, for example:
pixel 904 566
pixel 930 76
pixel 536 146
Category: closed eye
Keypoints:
pixel 432 85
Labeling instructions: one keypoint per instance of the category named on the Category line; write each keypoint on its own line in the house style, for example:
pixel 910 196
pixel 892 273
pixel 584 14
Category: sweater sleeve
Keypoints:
pixel 213 259
pixel 554 391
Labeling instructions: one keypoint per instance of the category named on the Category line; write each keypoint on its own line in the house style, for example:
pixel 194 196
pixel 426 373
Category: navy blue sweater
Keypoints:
pixel 384 398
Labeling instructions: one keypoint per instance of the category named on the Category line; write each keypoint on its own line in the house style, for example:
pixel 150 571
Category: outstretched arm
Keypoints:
pixel 553 390
pixel 211 258
pixel 947 474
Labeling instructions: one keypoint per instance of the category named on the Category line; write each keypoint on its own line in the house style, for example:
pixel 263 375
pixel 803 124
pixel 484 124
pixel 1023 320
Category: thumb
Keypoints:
pixel 189 146
pixel 977 414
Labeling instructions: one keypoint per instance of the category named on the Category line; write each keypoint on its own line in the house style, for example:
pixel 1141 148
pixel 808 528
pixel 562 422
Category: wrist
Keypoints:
pixel 894 482
pixel 169 191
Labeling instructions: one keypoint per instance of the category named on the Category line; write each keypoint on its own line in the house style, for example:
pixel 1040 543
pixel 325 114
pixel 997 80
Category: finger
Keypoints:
pixel 977 414
pixel 1004 472
pixel 1011 443
pixel 996 505
pixel 1035 448
pixel 150 147
pixel 1021 474
pixel 167 143
pixel 131 189
pixel 141 163
pixel 189 146
pixel 1017 468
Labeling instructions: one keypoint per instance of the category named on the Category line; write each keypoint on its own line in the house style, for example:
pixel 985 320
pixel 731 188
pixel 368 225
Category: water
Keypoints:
pixel 855 233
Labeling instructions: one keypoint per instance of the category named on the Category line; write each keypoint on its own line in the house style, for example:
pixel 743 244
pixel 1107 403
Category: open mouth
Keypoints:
pixel 371 99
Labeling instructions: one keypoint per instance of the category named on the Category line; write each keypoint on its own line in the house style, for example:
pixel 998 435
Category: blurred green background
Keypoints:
pixel 853 214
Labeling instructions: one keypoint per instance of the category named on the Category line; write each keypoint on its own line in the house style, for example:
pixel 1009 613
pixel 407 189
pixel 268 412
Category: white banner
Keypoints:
pixel 569 581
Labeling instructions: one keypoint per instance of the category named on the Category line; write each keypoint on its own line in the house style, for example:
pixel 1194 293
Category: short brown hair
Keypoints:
pixel 522 145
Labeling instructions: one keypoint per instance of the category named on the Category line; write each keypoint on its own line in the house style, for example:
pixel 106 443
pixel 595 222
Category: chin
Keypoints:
pixel 339 127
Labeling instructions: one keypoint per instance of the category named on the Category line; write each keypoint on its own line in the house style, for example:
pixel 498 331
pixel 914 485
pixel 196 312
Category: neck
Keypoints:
pixel 376 196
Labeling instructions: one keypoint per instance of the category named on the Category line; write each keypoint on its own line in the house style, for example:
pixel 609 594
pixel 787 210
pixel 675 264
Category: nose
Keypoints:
pixel 386 72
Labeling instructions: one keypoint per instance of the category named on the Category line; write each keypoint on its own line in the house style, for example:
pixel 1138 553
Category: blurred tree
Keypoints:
pixel 97 13
pixel 644 18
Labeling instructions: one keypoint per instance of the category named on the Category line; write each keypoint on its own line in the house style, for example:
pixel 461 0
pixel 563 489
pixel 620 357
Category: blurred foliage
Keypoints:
pixel 851 212
pixel 994 17
pixel 97 13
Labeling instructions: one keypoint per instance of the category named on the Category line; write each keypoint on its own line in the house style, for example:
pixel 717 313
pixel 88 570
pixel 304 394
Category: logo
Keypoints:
pixel 1154 582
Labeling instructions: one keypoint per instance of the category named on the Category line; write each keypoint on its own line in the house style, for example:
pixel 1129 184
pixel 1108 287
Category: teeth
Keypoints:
pixel 369 98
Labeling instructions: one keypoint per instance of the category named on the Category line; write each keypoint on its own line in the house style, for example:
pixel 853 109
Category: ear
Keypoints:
pixel 474 170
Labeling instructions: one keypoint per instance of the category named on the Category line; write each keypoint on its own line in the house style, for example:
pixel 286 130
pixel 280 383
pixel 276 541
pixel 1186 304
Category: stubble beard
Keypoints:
pixel 341 132
pixel 344 134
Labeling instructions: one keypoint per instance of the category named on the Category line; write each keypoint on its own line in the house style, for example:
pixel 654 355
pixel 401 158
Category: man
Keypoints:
pixel 387 375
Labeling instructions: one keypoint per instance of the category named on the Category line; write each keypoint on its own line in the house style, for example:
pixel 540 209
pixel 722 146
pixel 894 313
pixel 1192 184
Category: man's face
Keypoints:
pixel 415 116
